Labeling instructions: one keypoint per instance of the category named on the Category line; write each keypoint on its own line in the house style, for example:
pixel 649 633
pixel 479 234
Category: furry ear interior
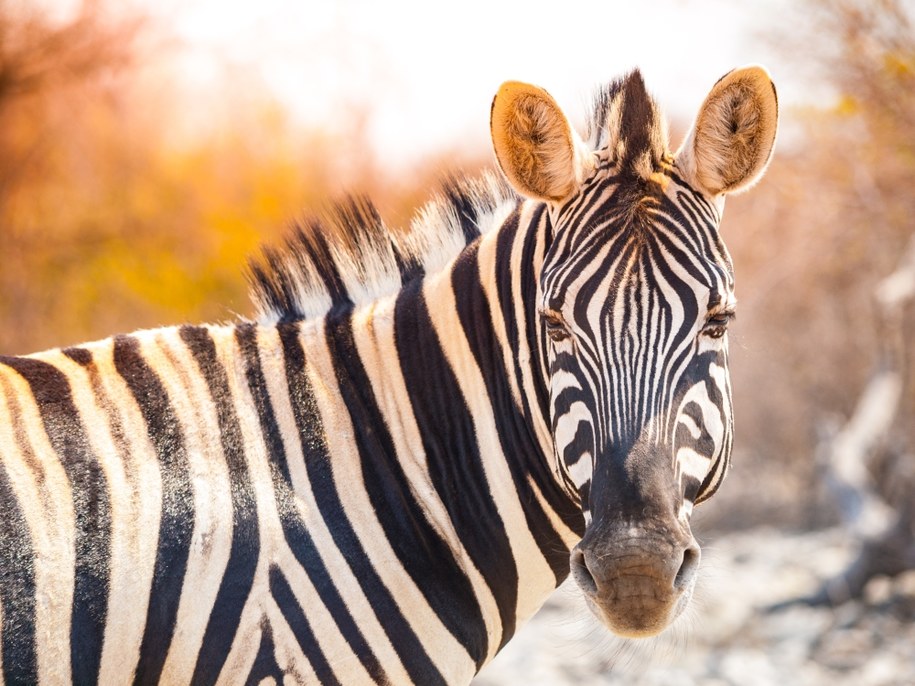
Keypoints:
pixel 732 139
pixel 534 143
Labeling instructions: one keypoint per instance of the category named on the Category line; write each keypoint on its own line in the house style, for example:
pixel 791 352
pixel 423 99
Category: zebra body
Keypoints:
pixel 383 489
pixel 250 483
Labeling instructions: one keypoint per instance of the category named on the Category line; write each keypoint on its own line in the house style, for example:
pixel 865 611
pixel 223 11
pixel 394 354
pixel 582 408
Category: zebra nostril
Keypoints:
pixel 581 573
pixel 688 567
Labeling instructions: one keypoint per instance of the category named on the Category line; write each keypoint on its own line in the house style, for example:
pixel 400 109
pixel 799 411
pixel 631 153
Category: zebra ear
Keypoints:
pixel 535 145
pixel 731 141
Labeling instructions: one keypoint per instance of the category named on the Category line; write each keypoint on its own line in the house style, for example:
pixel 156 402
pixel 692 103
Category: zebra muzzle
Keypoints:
pixel 639 584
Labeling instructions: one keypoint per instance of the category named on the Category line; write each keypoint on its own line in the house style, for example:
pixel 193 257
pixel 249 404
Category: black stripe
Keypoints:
pixel 17 582
pixel 298 623
pixel 585 492
pixel 311 432
pixel 368 428
pixel 91 508
pixel 661 314
pixel 453 455
pixel 317 250
pixel 265 665
pixel 17 591
pixel 528 279
pixel 246 337
pixel 567 396
pixel 79 355
pixel 680 221
pixel 238 576
pixel 271 286
pixel 177 517
pixel 690 486
pixel 408 265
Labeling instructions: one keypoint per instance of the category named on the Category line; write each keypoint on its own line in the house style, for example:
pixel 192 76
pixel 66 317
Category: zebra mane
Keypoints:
pixel 348 256
pixel 626 121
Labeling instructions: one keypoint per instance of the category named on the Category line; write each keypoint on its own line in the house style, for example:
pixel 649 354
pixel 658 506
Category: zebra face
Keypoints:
pixel 636 292
pixel 635 312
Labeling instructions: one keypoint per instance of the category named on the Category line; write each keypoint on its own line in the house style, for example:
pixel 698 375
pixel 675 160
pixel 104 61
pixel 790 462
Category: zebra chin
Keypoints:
pixel 639 585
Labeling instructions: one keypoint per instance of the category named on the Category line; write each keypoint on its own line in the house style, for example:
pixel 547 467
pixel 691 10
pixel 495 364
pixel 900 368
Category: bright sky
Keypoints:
pixel 426 72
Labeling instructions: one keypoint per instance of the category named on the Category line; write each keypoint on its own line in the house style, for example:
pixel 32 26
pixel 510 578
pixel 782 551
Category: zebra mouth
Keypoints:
pixel 638 614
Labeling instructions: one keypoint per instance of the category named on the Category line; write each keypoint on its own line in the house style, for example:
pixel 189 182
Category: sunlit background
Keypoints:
pixel 422 73
pixel 148 147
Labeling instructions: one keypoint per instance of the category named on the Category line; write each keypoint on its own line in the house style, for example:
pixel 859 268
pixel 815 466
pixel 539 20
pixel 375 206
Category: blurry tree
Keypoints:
pixel 825 228
pixel 53 71
pixel 111 219
pixel 40 59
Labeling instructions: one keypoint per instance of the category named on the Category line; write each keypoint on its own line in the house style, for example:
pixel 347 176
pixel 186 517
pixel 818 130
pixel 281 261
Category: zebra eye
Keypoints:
pixel 556 328
pixel 717 324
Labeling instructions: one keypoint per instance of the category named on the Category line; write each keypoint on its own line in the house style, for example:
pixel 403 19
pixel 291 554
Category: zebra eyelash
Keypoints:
pixel 716 324
pixel 556 327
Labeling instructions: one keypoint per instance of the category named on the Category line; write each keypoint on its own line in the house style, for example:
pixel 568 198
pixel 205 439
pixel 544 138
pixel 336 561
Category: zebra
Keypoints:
pixel 419 436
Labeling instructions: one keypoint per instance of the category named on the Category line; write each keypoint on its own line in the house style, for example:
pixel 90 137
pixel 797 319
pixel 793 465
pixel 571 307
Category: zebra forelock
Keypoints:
pixel 627 124
pixel 349 256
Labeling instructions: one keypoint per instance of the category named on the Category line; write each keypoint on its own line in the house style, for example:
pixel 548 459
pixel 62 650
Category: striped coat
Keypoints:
pixel 371 483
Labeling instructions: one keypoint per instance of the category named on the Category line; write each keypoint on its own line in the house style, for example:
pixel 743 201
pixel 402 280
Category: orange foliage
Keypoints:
pixel 111 221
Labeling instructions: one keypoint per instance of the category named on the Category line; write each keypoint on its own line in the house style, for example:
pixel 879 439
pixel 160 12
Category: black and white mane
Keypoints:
pixel 348 256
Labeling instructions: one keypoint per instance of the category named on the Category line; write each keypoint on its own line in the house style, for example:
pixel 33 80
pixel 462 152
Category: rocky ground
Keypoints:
pixel 730 638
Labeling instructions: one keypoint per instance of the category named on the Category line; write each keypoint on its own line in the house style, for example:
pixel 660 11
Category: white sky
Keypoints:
pixel 426 72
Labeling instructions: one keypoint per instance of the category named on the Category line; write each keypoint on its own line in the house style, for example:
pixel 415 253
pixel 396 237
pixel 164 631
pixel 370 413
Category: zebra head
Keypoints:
pixel 635 294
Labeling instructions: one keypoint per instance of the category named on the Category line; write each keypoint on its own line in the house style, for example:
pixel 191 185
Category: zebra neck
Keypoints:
pixel 467 346
pixel 422 420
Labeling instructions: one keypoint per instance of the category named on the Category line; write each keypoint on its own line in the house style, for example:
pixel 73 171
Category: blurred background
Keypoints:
pixel 147 148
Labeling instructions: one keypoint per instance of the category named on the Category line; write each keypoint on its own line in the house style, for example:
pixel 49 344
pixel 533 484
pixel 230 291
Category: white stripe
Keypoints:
pixel 582 470
pixel 569 537
pixel 43 492
pixel 286 649
pixel 211 540
pixel 691 463
pixel 142 464
pixel 523 356
pixel 272 543
pixel 247 639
